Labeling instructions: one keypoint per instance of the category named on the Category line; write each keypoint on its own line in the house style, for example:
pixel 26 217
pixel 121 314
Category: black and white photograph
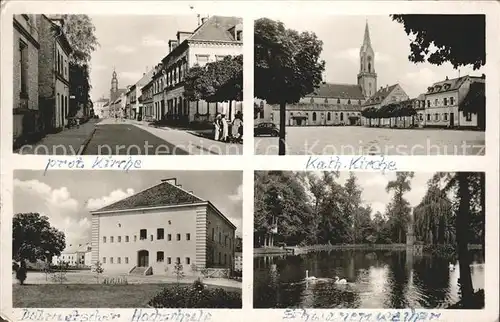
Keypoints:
pixel 108 239
pixel 370 85
pixel 127 84
pixel 364 240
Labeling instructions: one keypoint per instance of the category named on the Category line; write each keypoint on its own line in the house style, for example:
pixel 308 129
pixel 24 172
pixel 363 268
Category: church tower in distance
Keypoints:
pixel 114 87
pixel 367 78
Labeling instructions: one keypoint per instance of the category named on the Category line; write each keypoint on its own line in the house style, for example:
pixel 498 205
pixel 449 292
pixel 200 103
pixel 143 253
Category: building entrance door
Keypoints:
pixel 143 258
pixel 452 119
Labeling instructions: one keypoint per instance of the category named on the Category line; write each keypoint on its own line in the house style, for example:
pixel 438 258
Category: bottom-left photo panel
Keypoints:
pixel 112 239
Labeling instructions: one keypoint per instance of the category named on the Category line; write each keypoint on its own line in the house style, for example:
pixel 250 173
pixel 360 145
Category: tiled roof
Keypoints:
pixel 475 97
pixel 216 28
pixel 163 194
pixel 421 97
pixel 380 95
pixel 146 78
pixel 446 85
pixel 321 107
pixel 330 90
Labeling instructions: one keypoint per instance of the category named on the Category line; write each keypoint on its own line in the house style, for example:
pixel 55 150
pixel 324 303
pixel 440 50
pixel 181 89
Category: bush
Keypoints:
pixel 195 296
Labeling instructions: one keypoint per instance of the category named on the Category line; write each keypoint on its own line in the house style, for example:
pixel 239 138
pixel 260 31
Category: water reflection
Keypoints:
pixel 376 279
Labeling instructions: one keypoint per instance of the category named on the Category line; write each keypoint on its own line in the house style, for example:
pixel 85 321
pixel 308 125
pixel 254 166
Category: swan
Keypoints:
pixel 451 266
pixel 340 281
pixel 309 278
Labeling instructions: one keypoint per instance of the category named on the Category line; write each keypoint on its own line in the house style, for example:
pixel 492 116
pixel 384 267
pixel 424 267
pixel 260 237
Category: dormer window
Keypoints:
pixel 349 102
pixel 326 100
pixel 338 100
pixel 239 35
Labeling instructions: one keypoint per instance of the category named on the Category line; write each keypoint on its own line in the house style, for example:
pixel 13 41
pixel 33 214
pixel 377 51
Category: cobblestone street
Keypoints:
pixel 364 140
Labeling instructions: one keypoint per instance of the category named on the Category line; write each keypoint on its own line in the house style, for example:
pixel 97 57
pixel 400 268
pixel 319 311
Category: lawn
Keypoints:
pixel 87 295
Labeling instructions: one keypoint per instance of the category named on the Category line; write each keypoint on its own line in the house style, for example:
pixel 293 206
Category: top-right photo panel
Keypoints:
pixel 370 85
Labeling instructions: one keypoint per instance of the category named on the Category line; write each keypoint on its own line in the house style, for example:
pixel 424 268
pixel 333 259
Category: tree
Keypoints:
pixel 286 66
pixel 179 272
pixel 33 238
pixel 458 39
pixel 352 207
pixel 399 208
pixel 218 81
pixel 80 32
pixel 98 270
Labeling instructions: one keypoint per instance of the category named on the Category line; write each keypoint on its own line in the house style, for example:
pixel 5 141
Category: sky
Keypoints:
pixel 67 197
pixel 132 45
pixel 342 38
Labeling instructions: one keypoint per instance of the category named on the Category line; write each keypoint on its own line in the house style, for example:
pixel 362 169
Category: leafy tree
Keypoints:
pixel 179 272
pixel 33 238
pixel 80 32
pixel 352 207
pixel 399 208
pixel 458 39
pixel 286 66
pixel 218 81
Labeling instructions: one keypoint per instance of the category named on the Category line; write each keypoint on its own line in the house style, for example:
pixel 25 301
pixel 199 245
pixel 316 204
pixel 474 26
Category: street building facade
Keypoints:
pixel 53 73
pixel 75 256
pixel 146 99
pixel 383 97
pixel 151 231
pixel 99 107
pixel 443 100
pixel 26 114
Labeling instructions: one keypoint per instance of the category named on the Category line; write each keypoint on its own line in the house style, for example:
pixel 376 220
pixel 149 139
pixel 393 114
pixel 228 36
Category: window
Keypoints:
pixel 341 116
pixel 329 116
pixel 143 234
pixel 213 234
pixel 103 260
pixel 428 103
pixel 119 239
pixel 326 100
pixel 220 257
pixel 159 257
pixel 188 236
pixel 314 116
pixel 104 239
pixel 169 260
pixel 445 101
pixel 428 117
pixel 188 261
pixel 359 102
pixel 220 237
pixel 436 102
pixel 152 237
pixel 160 234
pixel 312 100
pixel 178 260
pixel 135 238
pixel 126 260
pixel 178 236
pixel 111 239
pixel 338 100
pixel 468 117
pixel 169 237
pixel 225 259
pixel 126 239
pixel 349 101
pixel 119 260
pixel 111 260
pixel 445 115
pixel 201 60
pixel 23 63
pixel 437 117
pixel 239 35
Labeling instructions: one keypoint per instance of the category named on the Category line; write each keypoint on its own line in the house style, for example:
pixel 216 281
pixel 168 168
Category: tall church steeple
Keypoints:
pixel 367 78
pixel 114 86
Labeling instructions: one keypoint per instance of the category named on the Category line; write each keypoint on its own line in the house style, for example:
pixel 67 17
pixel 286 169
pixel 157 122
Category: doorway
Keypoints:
pixel 143 258
pixel 452 119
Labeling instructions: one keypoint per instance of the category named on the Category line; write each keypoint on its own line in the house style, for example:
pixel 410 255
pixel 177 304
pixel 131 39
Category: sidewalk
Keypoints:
pixel 190 142
pixel 67 142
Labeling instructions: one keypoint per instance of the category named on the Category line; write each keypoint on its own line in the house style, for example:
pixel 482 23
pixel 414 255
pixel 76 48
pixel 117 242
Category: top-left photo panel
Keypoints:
pixel 127 84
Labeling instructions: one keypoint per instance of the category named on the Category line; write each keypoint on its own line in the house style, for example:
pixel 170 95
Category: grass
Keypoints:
pixel 87 295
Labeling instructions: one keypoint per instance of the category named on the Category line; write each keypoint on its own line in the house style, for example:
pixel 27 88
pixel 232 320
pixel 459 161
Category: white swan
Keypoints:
pixel 309 278
pixel 451 267
pixel 340 281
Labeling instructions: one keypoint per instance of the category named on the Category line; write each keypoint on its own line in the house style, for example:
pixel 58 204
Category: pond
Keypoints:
pixel 375 279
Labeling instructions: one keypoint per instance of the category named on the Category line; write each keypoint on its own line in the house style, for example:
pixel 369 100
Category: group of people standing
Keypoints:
pixel 221 128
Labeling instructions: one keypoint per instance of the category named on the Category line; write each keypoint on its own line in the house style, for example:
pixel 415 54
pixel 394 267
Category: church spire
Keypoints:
pixel 366 40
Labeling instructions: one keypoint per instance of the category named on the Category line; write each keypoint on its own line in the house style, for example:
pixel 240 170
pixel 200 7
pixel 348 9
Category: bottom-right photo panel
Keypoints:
pixel 369 240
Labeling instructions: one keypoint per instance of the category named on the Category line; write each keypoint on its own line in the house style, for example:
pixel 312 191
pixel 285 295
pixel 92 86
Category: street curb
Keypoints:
pixel 83 146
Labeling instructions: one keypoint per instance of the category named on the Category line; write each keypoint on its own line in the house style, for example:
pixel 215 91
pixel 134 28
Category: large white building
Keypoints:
pixel 75 256
pixel 151 231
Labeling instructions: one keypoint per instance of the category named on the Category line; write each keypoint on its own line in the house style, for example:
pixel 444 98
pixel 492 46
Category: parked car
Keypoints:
pixel 266 128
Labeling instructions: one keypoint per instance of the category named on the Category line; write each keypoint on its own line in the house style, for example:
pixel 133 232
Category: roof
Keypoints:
pixel 313 107
pixel 421 97
pixel 160 195
pixel 380 95
pixel 146 78
pixel 446 85
pixel 475 98
pixel 76 248
pixel 338 91
pixel 216 28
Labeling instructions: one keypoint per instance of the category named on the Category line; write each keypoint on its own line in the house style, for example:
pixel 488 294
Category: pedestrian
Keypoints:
pixel 217 129
pixel 235 130
pixel 225 130
pixel 21 272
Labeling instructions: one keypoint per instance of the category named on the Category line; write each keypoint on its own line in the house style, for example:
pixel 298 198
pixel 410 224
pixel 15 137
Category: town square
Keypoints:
pixel 363 94
pixel 111 88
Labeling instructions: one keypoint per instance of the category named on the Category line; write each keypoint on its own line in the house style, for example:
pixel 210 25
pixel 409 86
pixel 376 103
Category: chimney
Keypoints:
pixel 446 77
pixel 172 43
pixel 172 181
